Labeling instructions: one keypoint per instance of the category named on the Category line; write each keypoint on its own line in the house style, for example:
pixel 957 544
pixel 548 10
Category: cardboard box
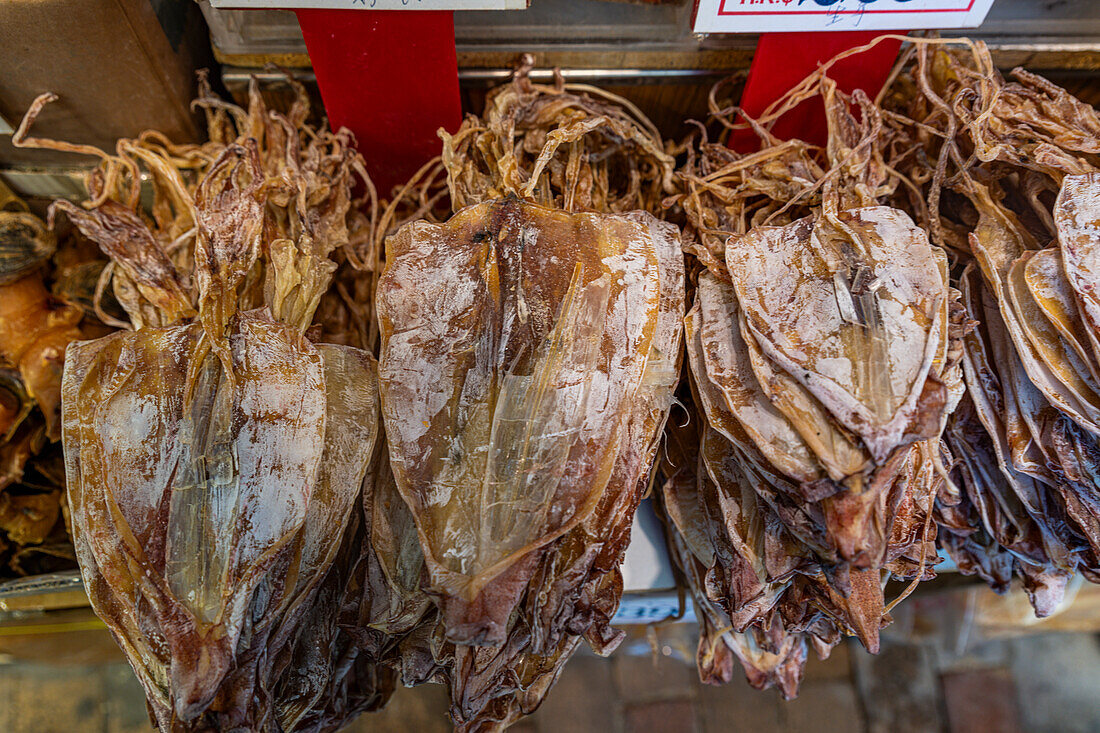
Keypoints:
pixel 119 67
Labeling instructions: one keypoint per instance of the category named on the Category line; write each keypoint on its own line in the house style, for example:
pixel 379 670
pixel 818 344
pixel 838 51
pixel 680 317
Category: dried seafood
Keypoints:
pixel 1010 169
pixel 892 345
pixel 824 344
pixel 214 454
pixel 527 366
pixel 36 327
pixel 527 362
pixel 704 522
pixel 567 146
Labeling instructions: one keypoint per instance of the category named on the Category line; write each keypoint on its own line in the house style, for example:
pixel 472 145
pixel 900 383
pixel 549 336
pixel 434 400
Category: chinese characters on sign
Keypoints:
pixel 762 16
pixel 376 4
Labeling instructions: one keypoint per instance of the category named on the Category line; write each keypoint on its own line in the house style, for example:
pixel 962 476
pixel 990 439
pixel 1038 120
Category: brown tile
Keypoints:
pixel 837 667
pixel 584 699
pixel 523 726
pixel 981 700
pixel 898 688
pixel 422 709
pixel 736 706
pixel 1056 677
pixel 666 716
pixel 823 707
pixel 976 656
pixel 125 701
pixel 9 682
pixel 648 676
pixel 56 699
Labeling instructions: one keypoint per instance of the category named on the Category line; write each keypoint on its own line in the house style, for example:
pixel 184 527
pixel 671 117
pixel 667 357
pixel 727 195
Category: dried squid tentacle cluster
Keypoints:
pixel 565 146
pixel 823 344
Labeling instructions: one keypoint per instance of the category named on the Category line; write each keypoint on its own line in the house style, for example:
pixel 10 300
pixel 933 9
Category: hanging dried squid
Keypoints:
pixel 824 346
pixel 530 347
pixel 1011 173
pixel 214 453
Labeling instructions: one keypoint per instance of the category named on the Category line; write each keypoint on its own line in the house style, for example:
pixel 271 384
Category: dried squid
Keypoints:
pixel 214 454
pixel 530 347
pixel 523 378
pixel 1012 177
pixel 567 146
pixel 824 351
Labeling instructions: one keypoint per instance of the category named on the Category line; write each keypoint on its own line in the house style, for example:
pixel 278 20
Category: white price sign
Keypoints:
pixel 375 4
pixel 763 16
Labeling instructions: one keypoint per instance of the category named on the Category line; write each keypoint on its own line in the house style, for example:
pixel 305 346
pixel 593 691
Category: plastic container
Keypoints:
pixel 616 31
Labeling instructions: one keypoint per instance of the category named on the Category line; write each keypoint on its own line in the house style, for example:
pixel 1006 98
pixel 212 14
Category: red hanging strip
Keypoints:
pixel 782 60
pixel 389 76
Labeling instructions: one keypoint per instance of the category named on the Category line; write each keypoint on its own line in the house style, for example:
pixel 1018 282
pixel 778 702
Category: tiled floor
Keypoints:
pixel 1037 684
pixel 1041 683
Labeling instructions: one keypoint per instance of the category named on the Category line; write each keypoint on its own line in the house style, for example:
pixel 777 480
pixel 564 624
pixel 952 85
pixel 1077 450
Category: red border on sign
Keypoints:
pixel 722 11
